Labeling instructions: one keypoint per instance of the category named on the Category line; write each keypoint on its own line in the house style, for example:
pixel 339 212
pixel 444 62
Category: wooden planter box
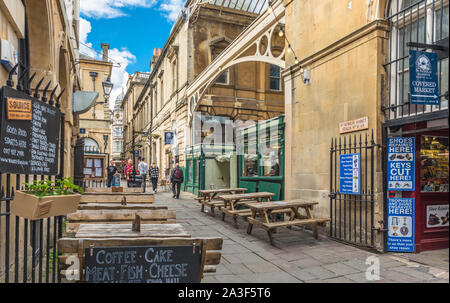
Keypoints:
pixel 32 207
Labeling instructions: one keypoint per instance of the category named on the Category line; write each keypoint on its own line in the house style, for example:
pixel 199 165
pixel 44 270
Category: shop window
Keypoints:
pixel 190 172
pixel 250 157
pixel 93 168
pixel 275 77
pixel 434 164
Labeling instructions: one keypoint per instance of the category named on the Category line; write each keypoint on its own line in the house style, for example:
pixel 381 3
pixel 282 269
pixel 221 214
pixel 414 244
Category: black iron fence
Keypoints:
pixel 352 215
pixel 28 250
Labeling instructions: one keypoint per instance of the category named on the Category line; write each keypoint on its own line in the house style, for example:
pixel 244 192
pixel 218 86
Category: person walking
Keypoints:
pixel 154 175
pixel 176 178
pixel 142 168
pixel 111 172
pixel 128 171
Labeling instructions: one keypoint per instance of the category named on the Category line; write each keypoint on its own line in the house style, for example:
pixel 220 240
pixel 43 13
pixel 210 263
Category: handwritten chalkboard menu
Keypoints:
pixel 29 134
pixel 143 264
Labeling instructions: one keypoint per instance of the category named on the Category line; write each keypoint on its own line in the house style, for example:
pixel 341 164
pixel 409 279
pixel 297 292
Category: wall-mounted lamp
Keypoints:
pixel 307 76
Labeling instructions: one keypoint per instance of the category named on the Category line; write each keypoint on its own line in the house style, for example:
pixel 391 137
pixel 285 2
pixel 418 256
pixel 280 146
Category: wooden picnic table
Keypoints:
pixel 114 206
pixel 262 216
pixel 123 198
pixel 231 201
pixel 112 230
pixel 208 195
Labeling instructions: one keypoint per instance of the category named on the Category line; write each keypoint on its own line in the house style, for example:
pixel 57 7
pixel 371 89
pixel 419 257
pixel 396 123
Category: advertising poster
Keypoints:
pixel 437 215
pixel 350 174
pixel 401 224
pixel 401 163
pixel 423 83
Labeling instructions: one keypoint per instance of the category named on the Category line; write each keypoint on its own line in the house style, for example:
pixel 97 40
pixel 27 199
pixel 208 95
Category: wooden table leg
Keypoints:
pixel 203 204
pixel 250 225
pixel 269 233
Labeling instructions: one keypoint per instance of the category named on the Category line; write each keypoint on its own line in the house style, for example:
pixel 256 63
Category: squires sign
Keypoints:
pixel 29 134
pixel 143 264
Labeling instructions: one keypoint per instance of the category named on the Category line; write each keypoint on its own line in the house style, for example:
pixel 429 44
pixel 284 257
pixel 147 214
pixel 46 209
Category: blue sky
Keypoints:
pixel 133 28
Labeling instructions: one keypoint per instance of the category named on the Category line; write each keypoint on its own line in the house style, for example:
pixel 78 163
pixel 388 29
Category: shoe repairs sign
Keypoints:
pixel 401 163
pixel 401 224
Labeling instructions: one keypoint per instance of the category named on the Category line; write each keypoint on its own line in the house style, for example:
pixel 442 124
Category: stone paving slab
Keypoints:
pixel 296 256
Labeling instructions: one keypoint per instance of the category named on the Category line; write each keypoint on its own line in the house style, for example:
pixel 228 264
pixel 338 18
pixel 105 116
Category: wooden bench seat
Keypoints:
pixel 70 247
pixel 113 206
pixel 157 216
pixel 117 198
pixel 287 223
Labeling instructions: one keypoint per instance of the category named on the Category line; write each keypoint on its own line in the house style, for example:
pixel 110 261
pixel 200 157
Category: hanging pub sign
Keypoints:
pixel 168 137
pixel 401 224
pixel 143 264
pixel 401 163
pixel 349 174
pixel 423 78
pixel 29 134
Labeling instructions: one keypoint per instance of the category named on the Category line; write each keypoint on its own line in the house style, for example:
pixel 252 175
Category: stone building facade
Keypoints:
pixel 202 31
pixel 135 84
pixel 95 124
pixel 117 132
pixel 355 65
pixel 44 35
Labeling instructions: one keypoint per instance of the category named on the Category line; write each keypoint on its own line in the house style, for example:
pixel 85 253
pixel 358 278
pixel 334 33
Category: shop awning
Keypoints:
pixel 82 101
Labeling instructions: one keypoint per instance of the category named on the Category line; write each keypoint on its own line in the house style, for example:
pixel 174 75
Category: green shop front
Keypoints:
pixel 260 150
pixel 209 167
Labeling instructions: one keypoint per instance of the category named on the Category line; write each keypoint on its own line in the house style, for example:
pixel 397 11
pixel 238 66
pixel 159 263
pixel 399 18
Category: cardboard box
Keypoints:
pixel 32 207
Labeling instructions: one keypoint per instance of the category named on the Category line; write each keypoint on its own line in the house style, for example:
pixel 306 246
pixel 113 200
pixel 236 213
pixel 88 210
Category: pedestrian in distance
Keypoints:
pixel 176 178
pixel 111 172
pixel 154 175
pixel 142 168
pixel 128 171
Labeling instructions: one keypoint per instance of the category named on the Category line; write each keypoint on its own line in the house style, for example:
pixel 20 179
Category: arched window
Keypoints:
pixel 90 146
pixel 420 21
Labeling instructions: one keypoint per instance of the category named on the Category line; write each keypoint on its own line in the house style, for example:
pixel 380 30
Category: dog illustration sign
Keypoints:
pixel 437 215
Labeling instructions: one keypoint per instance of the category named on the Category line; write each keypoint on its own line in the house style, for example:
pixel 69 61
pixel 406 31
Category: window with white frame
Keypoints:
pixel 420 21
pixel 275 77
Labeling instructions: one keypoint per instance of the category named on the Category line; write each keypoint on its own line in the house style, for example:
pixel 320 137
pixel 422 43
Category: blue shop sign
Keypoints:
pixel 401 224
pixel 401 163
pixel 350 174
pixel 168 137
pixel 423 79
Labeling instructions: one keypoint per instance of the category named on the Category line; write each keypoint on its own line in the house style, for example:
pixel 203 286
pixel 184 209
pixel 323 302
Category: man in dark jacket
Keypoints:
pixel 176 178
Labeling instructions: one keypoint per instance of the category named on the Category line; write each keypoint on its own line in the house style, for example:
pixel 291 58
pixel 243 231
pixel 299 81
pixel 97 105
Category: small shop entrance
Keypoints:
pixel 432 186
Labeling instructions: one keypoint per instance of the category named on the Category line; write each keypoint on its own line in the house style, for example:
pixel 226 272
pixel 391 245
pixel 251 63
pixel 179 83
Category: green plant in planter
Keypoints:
pixel 60 187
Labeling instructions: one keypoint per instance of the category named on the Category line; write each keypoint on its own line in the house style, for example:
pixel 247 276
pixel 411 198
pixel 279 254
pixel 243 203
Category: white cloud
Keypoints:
pixel 122 56
pixel 110 8
pixel 119 75
pixel 85 47
pixel 171 8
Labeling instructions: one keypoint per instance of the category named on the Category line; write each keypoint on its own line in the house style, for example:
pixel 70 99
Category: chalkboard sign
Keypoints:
pixel 29 134
pixel 142 264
